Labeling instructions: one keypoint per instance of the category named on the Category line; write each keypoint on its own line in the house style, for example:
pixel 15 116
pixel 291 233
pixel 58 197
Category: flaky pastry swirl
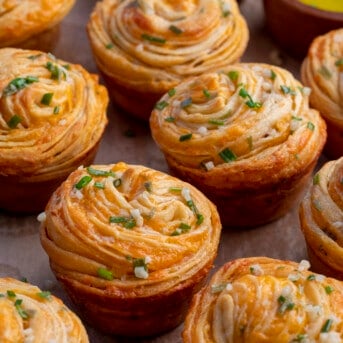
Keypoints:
pixel 247 120
pixel 321 215
pixel 122 216
pixel 29 315
pixel 153 44
pixel 22 19
pixel 52 114
pixel 322 70
pixel 265 300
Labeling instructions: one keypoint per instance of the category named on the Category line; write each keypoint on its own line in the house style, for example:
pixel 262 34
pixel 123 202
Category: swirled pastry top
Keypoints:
pixel 323 213
pixel 322 70
pixel 160 42
pixel 50 112
pixel 29 315
pixel 265 300
pixel 246 117
pixel 118 227
pixel 21 19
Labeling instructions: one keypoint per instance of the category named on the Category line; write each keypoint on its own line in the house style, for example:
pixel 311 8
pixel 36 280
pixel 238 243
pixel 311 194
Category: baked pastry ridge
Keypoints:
pixel 131 245
pixel 261 299
pixel 29 315
pixel 244 130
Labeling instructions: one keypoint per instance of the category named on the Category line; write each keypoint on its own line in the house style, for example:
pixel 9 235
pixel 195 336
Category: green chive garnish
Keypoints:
pixel 84 181
pixel 186 102
pixel 183 228
pixel 206 93
pixel 109 46
pixel 33 57
pixel 250 103
pixel 153 39
pixel 200 219
pixel 46 98
pixel 175 29
pixel 161 105
pixel 22 313
pixel 170 119
pixel 287 90
pixel 285 305
pixel 316 179
pixel 311 277
pixel 325 72
pixel 56 110
pixel 299 338
pixel 127 222
pixel 297 118
pixel 175 189
pixel 148 186
pixel 329 289
pixel 117 220
pixel 14 121
pixel 233 75
pixel 310 126
pixel 19 83
pixel 99 185
pixel 227 155
pixel 171 92
pixel 105 274
pixel 57 73
pixel 11 294
pixel 217 122
pixel 185 137
pixel 272 75
pixel 45 295
pixel 327 326
pixel 97 172
pixel 339 62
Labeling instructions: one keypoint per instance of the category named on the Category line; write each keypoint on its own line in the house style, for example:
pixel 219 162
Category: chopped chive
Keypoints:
pixel 185 137
pixel 329 289
pixel 56 110
pixel 130 223
pixel 311 277
pixel 153 39
pixel 161 105
pixel 33 57
pixel 200 219
pixel 227 155
pixel 105 274
pixel 297 118
pixel 117 220
pixel 175 29
pixel 14 121
pixel 109 46
pixel 250 103
pixel 170 119
pixel 46 98
pixel 272 75
pixel 310 126
pixel 139 262
pixel 127 222
pixel 316 179
pixel 97 172
pixel 84 181
pixel 217 122
pixel 11 294
pixel 22 313
pixel 148 186
pixel 183 228
pixel 66 66
pixel 171 92
pixel 24 279
pixel 226 115
pixel 117 183
pixel 57 73
pixel 327 326
pixel 325 72
pixel 175 189
pixel 233 75
pixel 287 90
pixel 339 62
pixel 185 103
pixel 285 305
pixel 99 185
pixel 206 93
pixel 300 338
pixel 19 83
pixel 44 295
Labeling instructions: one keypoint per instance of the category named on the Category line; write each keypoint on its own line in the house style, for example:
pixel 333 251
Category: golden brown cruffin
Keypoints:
pixel 321 219
pixel 31 23
pixel 245 136
pixel 131 245
pixel 260 299
pixel 28 314
pixel 52 117
pixel 146 47
pixel 322 70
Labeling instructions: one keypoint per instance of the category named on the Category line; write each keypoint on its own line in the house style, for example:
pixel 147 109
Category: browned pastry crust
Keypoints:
pixel 31 24
pixel 131 246
pixel 144 48
pixel 245 136
pixel 28 314
pixel 266 300
pixel 53 115
pixel 321 218
pixel 322 70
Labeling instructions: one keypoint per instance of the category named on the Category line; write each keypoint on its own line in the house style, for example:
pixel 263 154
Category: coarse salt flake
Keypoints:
pixel 141 273
pixel 62 122
pixel 41 217
pixel 136 214
pixel 306 91
pixel 186 194
pixel 209 165
pixel 304 265
pixel 202 130
pixel 329 337
pixel 147 259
